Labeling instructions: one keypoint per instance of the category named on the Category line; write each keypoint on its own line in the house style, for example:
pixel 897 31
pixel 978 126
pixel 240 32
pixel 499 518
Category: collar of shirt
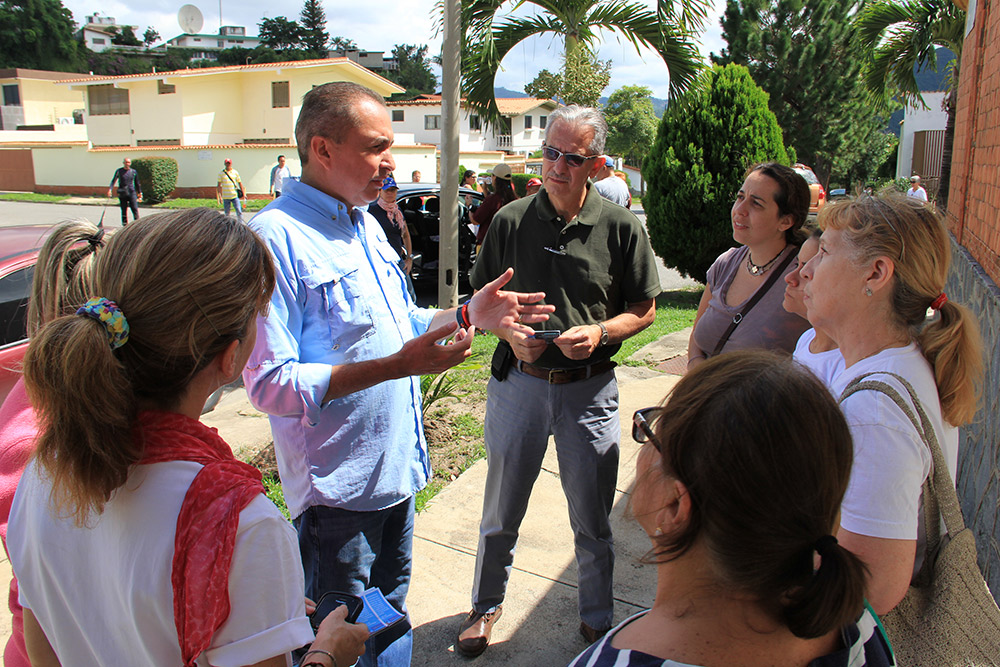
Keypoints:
pixel 328 208
pixel 589 215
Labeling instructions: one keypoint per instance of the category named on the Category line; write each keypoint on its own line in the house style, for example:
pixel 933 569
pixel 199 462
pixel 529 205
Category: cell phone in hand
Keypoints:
pixel 330 601
pixel 548 335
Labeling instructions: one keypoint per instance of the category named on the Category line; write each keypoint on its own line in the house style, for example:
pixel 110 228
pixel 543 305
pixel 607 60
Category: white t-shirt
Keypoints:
pixel 279 176
pixel 917 193
pixel 824 365
pixel 613 189
pixel 102 593
pixel 890 460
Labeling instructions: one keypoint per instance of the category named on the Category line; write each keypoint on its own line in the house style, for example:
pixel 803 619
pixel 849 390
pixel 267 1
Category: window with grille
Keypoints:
pixel 397 115
pixel 432 122
pixel 106 100
pixel 280 99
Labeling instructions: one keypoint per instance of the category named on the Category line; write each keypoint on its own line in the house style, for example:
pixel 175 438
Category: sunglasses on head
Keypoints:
pixel 642 430
pixel 572 159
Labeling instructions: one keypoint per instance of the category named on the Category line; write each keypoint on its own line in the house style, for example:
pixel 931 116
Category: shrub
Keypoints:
pixel 158 176
pixel 706 140
pixel 520 183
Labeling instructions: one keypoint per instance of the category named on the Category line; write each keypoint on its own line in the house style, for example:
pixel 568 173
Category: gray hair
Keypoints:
pixel 330 111
pixel 576 115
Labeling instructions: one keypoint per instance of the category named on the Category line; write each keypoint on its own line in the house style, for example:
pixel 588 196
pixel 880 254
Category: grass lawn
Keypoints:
pixel 250 205
pixel 32 196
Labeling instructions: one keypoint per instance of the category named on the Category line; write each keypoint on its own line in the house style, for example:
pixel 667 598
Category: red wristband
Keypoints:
pixel 462 315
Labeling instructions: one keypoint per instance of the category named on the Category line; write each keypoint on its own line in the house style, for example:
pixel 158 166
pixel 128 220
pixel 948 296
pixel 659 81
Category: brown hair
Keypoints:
pixel 188 283
pixel 792 198
pixel 911 234
pixel 330 111
pixel 765 454
pixel 62 273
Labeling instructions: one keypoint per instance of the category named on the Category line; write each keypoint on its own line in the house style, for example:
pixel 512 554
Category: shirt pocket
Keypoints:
pixel 348 314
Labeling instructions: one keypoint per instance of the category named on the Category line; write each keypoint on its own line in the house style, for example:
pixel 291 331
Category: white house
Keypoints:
pixel 230 36
pixel 520 132
pixel 921 141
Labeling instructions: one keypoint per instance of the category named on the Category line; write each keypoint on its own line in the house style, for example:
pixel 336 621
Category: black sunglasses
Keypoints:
pixel 572 159
pixel 642 431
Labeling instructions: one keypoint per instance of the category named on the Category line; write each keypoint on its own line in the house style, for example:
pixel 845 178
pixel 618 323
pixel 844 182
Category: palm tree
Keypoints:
pixel 667 29
pixel 902 36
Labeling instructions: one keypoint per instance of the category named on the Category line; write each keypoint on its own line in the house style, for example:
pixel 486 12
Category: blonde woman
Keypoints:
pixel 881 266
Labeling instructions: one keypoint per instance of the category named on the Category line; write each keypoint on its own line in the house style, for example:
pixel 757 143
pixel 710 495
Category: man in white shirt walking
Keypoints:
pixel 279 174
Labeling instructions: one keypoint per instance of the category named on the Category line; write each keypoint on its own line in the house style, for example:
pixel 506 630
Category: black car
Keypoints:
pixel 421 207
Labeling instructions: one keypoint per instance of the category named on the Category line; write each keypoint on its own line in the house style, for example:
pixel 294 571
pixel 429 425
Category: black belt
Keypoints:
pixel 565 375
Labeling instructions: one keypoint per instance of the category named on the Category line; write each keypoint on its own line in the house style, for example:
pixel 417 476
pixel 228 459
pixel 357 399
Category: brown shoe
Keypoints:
pixel 474 634
pixel 589 634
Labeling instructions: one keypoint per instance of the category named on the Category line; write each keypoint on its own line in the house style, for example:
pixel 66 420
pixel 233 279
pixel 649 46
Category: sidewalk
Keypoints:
pixel 540 623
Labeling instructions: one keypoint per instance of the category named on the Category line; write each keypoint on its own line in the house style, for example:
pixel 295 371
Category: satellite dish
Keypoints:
pixel 190 19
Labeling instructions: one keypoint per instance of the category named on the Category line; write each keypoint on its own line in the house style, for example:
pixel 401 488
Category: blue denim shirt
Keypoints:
pixel 339 298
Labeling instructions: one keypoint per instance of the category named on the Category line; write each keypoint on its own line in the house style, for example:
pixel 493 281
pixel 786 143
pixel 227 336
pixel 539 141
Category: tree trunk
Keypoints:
pixel 949 140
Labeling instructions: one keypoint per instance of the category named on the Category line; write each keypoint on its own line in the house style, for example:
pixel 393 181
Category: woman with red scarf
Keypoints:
pixel 136 536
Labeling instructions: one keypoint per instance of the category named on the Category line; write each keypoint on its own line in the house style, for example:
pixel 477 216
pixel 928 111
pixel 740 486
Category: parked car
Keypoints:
pixel 421 207
pixel 818 195
pixel 20 246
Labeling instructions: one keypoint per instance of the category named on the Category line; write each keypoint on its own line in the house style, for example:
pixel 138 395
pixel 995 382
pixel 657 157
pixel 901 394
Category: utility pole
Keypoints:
pixel 450 97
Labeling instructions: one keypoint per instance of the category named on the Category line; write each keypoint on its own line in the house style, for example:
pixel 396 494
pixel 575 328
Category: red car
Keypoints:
pixel 19 248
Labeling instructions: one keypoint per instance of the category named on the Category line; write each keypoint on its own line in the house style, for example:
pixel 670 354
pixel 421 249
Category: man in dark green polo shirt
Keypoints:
pixel 593 261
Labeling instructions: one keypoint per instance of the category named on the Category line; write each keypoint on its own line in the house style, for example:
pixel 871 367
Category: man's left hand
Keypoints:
pixel 579 342
pixel 493 308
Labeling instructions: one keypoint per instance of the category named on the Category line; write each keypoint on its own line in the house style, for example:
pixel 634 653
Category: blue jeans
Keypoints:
pixel 235 203
pixel 521 412
pixel 352 551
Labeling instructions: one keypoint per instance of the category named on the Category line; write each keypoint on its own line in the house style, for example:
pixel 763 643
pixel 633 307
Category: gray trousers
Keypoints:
pixel 521 413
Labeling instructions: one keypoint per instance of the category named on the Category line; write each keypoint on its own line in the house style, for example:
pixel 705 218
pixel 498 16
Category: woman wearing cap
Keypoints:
pixel 741 306
pixel 882 264
pixel 136 536
pixel 503 194
pixel 738 486
pixel 57 288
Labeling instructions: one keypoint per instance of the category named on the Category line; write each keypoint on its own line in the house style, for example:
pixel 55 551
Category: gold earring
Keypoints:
pixel 658 531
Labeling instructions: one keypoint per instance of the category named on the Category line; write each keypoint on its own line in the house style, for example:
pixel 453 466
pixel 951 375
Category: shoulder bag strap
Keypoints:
pixel 757 296
pixel 231 180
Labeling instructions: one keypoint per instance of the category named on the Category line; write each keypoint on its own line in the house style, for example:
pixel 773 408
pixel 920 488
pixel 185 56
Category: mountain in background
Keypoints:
pixel 658 104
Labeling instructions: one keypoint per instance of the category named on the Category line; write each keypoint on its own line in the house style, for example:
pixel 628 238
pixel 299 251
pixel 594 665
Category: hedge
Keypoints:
pixel 158 176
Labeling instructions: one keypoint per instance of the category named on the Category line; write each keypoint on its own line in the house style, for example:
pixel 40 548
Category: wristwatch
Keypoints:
pixel 604 335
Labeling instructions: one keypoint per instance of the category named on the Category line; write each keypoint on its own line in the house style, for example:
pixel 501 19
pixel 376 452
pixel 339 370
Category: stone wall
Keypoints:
pixel 979 445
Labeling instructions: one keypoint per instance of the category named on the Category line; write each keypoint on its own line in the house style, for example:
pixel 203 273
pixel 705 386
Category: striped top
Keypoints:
pixel 864 645
pixel 228 180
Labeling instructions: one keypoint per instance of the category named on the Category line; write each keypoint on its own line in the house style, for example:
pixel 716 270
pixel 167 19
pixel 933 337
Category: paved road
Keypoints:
pixel 31 213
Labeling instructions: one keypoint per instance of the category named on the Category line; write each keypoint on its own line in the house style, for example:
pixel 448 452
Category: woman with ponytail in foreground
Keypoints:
pixel 738 486
pixel 136 536
pixel 881 269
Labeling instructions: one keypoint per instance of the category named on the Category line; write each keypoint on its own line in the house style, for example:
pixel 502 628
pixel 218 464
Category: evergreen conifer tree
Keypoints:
pixel 314 35
pixel 706 141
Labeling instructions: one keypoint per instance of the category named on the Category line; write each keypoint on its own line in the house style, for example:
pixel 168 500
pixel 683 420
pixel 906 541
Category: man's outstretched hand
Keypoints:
pixel 493 308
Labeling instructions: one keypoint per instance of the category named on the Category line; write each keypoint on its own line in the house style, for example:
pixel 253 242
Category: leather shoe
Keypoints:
pixel 474 634
pixel 590 634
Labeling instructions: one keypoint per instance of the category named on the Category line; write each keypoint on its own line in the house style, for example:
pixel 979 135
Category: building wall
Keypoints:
pixel 916 120
pixel 154 116
pixel 212 109
pixel 45 102
pixel 973 203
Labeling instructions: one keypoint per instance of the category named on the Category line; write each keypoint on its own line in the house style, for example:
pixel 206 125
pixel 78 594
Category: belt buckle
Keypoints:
pixel 552 372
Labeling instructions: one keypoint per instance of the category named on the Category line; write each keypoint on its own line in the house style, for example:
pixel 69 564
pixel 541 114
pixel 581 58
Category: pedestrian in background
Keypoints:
pixel 415 176
pixel 533 185
pixel 503 194
pixel 386 211
pixel 229 190
pixel 916 191
pixel 278 175
pixel 610 186
pixel 129 190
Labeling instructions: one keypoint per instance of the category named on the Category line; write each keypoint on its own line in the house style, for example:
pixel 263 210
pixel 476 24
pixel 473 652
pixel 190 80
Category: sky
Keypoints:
pixel 380 26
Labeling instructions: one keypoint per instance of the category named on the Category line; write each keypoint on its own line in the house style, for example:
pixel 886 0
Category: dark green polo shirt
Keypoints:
pixel 589 269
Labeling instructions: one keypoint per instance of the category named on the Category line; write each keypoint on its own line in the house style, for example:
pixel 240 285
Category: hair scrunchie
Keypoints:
pixel 824 545
pixel 941 299
pixel 107 313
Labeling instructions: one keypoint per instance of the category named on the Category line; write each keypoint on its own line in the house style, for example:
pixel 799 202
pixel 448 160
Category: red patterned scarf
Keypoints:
pixel 395 215
pixel 206 526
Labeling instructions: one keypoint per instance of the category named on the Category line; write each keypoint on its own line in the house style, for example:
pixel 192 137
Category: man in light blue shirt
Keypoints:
pixel 340 352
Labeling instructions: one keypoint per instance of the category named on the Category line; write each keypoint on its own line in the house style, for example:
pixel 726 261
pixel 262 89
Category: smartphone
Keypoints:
pixel 548 335
pixel 330 601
